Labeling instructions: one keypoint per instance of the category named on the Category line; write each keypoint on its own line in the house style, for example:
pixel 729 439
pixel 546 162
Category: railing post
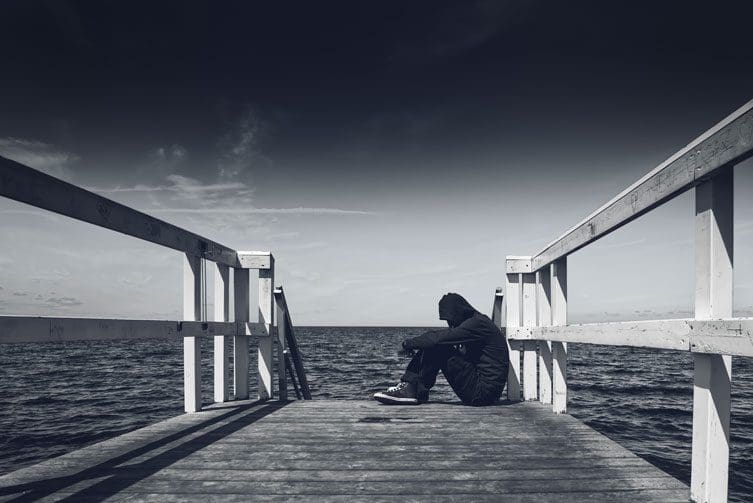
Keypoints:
pixel 266 316
pixel 497 307
pixel 530 389
pixel 713 373
pixel 240 341
pixel 192 307
pixel 282 327
pixel 221 313
pixel 544 319
pixel 559 349
pixel 512 320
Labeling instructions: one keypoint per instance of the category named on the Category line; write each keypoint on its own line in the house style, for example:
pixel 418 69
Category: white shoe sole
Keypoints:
pixel 393 400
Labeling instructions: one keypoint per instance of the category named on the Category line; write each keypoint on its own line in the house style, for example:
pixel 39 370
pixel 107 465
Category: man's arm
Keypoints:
pixel 468 331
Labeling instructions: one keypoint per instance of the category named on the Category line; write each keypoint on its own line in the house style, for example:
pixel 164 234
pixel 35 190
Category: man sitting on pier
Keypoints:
pixel 471 353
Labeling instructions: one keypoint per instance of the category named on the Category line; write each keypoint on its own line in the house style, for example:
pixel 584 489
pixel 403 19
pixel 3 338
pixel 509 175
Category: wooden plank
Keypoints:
pixel 282 334
pixel 27 185
pixel 255 259
pixel 36 329
pixel 642 495
pixel 221 313
pixel 192 309
pixel 731 336
pixel 513 320
pixel 713 245
pixel 517 264
pixel 530 387
pixel 713 373
pixel 663 334
pixel 292 343
pixel 291 375
pixel 241 306
pixel 313 488
pixel 728 142
pixel 544 319
pixel 182 472
pixel 559 348
pixel 266 316
pixel 498 307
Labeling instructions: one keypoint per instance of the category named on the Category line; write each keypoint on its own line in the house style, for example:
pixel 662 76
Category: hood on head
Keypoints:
pixel 454 309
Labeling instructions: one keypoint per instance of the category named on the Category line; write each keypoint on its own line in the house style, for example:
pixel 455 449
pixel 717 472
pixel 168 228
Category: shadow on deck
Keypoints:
pixel 346 450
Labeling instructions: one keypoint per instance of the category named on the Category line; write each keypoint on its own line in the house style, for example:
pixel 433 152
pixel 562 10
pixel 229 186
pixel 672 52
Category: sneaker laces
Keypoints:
pixel 398 386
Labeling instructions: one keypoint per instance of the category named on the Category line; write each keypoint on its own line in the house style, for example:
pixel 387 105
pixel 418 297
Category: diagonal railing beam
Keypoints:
pixel 26 185
pixel 729 142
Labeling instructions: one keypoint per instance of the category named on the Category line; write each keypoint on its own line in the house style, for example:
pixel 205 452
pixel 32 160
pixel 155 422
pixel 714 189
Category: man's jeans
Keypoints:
pixel 460 373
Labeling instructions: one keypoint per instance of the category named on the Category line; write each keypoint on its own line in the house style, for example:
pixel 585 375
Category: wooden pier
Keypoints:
pixel 527 449
pixel 352 451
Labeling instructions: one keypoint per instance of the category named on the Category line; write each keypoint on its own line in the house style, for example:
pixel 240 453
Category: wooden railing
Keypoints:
pixel 536 297
pixel 24 184
pixel 293 358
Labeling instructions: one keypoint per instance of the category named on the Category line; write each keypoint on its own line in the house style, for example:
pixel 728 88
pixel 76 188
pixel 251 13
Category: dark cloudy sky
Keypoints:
pixel 385 152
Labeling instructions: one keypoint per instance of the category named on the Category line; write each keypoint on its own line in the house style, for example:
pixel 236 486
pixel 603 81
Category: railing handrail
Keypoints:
pixel 729 141
pixel 729 336
pixel 27 185
pixel 38 329
pixel 292 354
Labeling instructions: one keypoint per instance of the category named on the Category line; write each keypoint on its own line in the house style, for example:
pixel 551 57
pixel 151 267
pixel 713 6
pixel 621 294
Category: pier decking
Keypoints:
pixel 352 450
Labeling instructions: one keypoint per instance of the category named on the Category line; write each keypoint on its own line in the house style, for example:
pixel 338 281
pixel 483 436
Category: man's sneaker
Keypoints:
pixel 402 394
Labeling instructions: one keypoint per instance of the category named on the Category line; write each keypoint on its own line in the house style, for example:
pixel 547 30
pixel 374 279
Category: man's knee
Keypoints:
pixel 438 353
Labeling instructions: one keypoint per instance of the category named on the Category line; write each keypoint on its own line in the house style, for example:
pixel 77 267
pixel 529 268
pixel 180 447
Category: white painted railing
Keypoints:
pixel 24 184
pixel 536 294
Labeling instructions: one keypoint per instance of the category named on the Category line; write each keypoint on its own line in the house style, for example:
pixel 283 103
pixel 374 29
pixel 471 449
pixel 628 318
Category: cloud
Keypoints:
pixel 177 183
pixel 135 279
pixel 172 154
pixel 191 196
pixel 267 211
pixel 239 148
pixel 38 155
pixel 62 302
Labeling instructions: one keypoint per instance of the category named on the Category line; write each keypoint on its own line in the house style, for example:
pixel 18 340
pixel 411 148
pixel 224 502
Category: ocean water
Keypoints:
pixel 61 396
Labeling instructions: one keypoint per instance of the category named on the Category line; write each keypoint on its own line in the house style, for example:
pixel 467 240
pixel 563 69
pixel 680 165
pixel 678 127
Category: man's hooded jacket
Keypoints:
pixel 484 343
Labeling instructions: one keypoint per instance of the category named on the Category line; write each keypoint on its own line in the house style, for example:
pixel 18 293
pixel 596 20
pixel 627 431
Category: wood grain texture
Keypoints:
pixel 255 259
pixel 221 313
pixel 530 371
pixel 731 336
pixel 266 317
pixel 295 356
pixel 354 451
pixel 242 309
pixel 193 302
pixel 712 377
pixel 22 329
pixel 513 320
pixel 544 319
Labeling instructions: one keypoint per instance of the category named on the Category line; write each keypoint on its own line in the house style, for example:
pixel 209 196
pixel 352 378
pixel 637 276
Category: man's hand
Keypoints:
pixel 406 350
